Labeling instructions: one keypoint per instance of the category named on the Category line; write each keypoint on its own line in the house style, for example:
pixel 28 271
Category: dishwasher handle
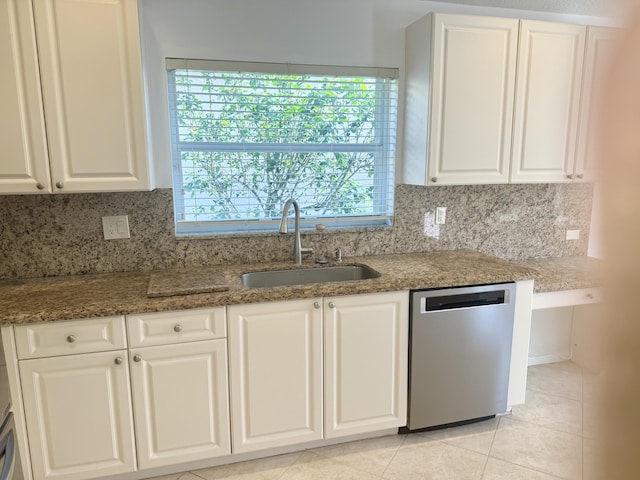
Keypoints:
pixel 463 300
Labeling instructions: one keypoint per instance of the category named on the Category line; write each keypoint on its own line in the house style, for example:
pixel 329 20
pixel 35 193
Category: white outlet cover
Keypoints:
pixel 441 215
pixel 115 227
pixel 572 235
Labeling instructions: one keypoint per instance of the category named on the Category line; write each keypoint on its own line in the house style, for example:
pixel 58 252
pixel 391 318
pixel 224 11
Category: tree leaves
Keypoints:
pixel 254 140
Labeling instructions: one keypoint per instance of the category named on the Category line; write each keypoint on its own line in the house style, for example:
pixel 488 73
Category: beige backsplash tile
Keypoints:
pixel 47 235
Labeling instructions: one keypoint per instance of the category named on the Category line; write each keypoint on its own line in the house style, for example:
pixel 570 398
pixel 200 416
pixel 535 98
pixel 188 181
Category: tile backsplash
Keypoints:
pixel 48 235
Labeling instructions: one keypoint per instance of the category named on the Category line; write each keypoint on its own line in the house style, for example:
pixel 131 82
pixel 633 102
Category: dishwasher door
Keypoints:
pixel 460 354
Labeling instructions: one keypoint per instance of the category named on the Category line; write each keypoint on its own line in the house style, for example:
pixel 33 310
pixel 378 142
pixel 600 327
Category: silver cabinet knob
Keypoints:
pixel 332 305
pixel 590 296
pixel 570 177
pixel 434 179
pixel 59 185
pixel 177 328
pixel 137 358
pixel 39 186
pixel 316 305
pixel 71 338
pixel 580 176
pixel 118 361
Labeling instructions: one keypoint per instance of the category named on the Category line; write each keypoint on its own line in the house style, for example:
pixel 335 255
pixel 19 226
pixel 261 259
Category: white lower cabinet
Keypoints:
pixel 276 357
pixel 366 360
pixel 81 388
pixel 275 369
pixel 292 372
pixel 78 415
pixel 180 402
pixel 179 383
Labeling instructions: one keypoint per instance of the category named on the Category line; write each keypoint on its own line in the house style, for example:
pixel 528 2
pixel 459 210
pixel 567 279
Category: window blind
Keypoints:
pixel 246 137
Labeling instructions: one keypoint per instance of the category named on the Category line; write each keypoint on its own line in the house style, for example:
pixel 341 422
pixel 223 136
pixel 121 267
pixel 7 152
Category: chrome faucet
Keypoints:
pixel 297 248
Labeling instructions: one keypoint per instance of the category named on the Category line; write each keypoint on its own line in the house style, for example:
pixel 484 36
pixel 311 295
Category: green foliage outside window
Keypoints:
pixel 247 142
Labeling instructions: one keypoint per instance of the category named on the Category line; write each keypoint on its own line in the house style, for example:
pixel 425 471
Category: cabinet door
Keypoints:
pixel 473 78
pixel 78 415
pixel 366 357
pixel 24 166
pixel 180 401
pixel 275 356
pixel 90 62
pixel 550 59
pixel 601 42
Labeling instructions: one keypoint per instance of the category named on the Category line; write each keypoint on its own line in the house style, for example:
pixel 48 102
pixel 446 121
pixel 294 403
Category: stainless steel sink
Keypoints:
pixel 299 276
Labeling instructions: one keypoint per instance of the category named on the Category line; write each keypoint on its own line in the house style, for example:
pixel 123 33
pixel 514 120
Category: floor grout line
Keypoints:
pixel 404 440
pixel 493 438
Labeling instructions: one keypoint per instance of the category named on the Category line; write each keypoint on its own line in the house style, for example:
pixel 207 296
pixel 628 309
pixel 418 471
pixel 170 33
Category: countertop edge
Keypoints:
pixel 101 295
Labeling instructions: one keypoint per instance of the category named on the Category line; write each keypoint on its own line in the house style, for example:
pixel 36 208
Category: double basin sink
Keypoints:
pixel 301 276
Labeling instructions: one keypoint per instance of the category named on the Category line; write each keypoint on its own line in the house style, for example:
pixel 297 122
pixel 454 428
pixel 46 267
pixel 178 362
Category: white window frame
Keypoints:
pixel 383 169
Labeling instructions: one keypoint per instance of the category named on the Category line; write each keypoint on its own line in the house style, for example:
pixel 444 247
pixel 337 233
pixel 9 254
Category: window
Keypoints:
pixel 246 137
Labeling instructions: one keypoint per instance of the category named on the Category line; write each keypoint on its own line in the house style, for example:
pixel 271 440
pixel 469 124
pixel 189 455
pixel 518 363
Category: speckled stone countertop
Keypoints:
pixel 566 273
pixel 86 296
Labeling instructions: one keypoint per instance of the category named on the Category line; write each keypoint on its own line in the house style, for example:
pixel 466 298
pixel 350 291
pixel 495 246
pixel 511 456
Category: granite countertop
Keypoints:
pixel 566 273
pixel 86 296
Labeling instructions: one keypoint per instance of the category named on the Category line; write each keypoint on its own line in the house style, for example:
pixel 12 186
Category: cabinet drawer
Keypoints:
pixel 176 327
pixel 70 337
pixel 566 298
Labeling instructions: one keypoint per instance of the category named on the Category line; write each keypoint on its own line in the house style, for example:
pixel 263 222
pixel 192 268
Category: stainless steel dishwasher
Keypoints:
pixel 460 352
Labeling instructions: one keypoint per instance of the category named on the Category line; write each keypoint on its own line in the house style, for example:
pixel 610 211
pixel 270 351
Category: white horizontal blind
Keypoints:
pixel 247 137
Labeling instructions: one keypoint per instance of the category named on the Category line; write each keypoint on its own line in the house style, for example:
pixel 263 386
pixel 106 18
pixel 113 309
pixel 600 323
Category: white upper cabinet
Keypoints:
pixel 23 162
pixel 90 70
pixel 547 101
pixel 601 42
pixel 494 100
pixel 460 73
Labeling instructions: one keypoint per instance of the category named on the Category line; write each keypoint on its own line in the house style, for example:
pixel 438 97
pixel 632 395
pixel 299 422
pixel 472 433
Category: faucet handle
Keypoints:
pixel 306 251
pixel 339 255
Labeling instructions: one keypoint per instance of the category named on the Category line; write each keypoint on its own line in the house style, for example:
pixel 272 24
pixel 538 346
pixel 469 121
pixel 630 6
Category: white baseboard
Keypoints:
pixel 551 358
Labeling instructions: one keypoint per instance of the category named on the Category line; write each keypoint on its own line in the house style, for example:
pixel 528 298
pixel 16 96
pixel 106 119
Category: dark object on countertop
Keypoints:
pixel 169 284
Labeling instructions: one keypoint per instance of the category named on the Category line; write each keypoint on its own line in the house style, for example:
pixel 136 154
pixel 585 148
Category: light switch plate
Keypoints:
pixel 572 235
pixel 441 215
pixel 115 227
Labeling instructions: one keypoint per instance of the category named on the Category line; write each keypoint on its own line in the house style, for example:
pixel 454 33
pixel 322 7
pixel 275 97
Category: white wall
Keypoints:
pixel 323 32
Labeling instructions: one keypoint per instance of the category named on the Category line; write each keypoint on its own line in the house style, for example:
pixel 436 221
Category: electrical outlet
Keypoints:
pixel 572 235
pixel 441 215
pixel 115 227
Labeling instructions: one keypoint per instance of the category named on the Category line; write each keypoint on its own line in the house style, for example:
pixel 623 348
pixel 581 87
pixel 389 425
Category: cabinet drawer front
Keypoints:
pixel 66 338
pixel 566 298
pixel 176 327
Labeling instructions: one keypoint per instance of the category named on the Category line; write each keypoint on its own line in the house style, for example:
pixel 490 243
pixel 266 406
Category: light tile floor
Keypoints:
pixel 550 437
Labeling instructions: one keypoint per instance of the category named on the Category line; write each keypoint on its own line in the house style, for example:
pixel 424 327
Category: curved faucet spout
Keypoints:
pixel 297 247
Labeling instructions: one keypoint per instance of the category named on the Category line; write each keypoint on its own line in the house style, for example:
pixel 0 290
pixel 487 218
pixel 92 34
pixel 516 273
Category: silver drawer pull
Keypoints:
pixel 118 361
pixel 316 305
pixel 137 358
pixel 590 296
pixel 332 305
pixel 71 338
pixel 177 328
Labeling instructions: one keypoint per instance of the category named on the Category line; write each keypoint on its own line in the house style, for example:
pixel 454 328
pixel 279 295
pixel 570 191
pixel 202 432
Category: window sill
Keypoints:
pixel 303 231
